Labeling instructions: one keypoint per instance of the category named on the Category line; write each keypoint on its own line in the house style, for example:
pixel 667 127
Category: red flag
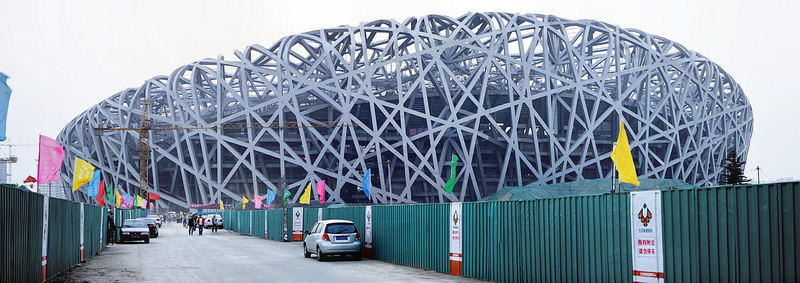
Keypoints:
pixel 30 179
pixel 101 197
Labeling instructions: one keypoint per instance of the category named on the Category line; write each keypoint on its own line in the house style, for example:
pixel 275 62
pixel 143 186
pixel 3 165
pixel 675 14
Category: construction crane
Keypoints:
pixel 147 125
pixel 5 162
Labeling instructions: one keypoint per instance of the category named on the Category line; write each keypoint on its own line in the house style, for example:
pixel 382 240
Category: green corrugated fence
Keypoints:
pixel 413 235
pixel 22 212
pixel 21 232
pixel 732 234
pixel 717 234
pixel 275 224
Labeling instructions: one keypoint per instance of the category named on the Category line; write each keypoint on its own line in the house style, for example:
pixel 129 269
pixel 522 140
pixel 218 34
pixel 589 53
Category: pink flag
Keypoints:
pixel 50 157
pixel 258 202
pixel 321 191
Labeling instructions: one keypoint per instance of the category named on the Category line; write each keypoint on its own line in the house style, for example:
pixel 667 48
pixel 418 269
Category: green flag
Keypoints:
pixel 448 187
pixel 286 195
pixel 110 192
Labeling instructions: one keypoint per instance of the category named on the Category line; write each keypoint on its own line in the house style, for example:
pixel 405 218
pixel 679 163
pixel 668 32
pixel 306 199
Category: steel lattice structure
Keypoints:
pixel 521 99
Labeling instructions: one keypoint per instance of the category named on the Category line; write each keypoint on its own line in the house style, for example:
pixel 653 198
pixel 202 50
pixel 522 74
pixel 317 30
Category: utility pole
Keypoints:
pixel 758 174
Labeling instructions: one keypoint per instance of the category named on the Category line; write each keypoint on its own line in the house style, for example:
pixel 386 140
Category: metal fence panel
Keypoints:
pixel 309 219
pixel 576 239
pixel 413 235
pixel 21 235
pixel 275 224
pixel 258 223
pixel 732 233
pixel 63 246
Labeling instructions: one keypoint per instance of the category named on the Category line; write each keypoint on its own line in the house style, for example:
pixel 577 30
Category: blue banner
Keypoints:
pixel 365 183
pixel 270 197
pixel 5 95
pixel 94 185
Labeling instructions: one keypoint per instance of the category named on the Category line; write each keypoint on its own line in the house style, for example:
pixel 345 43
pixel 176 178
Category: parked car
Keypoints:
pixel 151 226
pixel 209 223
pixel 332 237
pixel 157 218
pixel 134 230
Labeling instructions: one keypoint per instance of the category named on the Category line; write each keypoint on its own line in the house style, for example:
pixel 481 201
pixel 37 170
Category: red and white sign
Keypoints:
pixel 45 219
pixel 154 196
pixel 297 224
pixel 81 232
pixel 368 231
pixel 648 251
pixel 456 219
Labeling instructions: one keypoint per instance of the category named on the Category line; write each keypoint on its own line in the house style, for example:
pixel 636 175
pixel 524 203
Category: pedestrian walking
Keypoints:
pixel 191 224
pixel 111 229
pixel 201 222
pixel 214 223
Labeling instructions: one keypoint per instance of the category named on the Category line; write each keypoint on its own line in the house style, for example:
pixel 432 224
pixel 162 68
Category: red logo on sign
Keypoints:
pixel 644 215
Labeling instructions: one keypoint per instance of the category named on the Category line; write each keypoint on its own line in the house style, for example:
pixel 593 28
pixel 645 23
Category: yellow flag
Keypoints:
pixel 221 206
pixel 244 202
pixel 83 173
pixel 622 158
pixel 306 197
pixel 117 198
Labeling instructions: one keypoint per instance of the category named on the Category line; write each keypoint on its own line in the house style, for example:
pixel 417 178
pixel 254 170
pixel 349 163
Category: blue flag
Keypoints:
pixel 270 197
pixel 94 185
pixel 365 183
pixel 5 95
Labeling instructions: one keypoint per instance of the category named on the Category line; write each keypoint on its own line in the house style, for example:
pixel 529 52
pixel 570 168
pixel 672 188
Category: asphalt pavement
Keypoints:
pixel 229 257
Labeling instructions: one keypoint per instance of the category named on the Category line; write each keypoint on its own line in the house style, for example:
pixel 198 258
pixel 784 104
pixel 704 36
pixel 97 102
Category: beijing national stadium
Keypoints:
pixel 520 99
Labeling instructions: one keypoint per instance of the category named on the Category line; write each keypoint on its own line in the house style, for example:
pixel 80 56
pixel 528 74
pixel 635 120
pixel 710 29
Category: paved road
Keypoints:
pixel 227 257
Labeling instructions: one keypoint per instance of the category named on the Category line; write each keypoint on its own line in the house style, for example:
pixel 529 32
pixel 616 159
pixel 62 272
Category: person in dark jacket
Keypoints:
pixel 191 224
pixel 111 229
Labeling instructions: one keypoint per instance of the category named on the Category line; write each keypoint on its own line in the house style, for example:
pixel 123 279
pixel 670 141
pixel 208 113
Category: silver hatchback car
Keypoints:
pixel 332 237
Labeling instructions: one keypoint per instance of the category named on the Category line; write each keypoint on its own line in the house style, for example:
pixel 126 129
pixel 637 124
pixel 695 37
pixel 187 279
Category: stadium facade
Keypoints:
pixel 520 99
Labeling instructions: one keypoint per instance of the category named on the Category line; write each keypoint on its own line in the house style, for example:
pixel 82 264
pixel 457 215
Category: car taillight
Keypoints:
pixel 358 236
pixel 325 237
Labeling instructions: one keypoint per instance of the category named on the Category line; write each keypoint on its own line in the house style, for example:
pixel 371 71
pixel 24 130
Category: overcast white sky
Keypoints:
pixel 65 56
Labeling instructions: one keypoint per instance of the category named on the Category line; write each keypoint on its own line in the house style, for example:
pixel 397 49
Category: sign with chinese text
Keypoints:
pixel 297 224
pixel 368 231
pixel 648 252
pixel 456 219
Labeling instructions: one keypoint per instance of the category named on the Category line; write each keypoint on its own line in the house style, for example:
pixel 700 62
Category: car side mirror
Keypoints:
pixel 307 232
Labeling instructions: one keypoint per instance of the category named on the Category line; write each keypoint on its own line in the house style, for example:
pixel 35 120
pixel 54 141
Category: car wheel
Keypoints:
pixel 357 256
pixel 147 241
pixel 306 254
pixel 320 256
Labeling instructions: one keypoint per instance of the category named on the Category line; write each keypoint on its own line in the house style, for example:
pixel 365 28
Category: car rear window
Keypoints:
pixel 134 224
pixel 340 228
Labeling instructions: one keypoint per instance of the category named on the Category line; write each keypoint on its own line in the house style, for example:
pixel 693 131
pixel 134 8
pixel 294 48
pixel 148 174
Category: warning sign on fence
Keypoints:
pixel 297 224
pixel 648 252
pixel 456 219
pixel 368 231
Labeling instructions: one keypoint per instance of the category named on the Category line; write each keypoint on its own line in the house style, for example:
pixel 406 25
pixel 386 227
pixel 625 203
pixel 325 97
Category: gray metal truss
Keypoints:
pixel 521 99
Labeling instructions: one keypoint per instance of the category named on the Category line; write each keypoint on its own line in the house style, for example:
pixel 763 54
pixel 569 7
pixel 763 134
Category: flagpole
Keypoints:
pixel 613 172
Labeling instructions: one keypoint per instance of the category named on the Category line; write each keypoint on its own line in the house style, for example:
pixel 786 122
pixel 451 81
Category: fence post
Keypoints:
pixel 45 212
pixel 82 211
